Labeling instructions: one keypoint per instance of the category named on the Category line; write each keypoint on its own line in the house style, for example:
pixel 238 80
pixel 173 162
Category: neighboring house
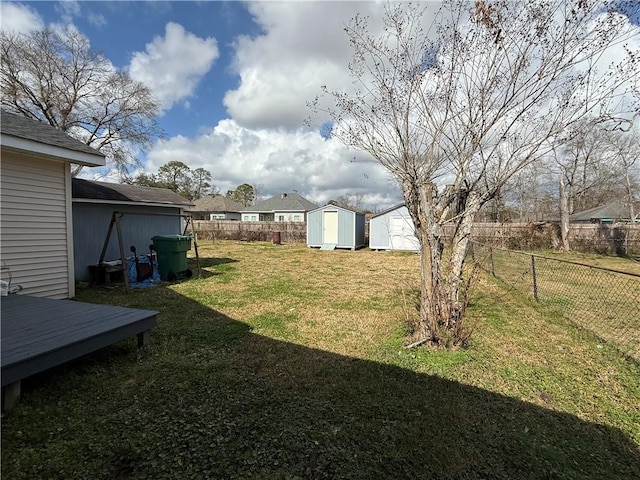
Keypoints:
pixel 147 211
pixel 36 239
pixel 286 207
pixel 335 227
pixel 216 207
pixel 393 229
pixel 612 212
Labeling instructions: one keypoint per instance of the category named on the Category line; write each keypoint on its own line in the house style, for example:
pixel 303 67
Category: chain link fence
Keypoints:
pixel 602 300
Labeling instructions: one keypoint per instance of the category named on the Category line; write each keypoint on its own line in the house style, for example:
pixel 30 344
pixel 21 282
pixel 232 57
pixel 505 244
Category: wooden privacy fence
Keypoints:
pixel 617 239
pixel 611 239
pixel 293 232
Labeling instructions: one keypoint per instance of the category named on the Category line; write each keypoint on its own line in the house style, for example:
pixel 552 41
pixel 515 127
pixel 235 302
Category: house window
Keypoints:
pixel 254 218
pixel 216 216
pixel 281 218
pixel 296 218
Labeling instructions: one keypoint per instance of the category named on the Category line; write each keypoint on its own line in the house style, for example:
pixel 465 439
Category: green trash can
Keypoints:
pixel 172 256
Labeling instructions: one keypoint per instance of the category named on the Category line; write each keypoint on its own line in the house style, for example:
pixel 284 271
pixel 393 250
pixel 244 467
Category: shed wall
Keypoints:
pixel 346 229
pixel 379 229
pixel 35 229
pixel 91 222
pixel 351 227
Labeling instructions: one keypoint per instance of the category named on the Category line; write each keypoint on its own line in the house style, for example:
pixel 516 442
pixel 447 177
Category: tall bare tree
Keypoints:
pixel 623 148
pixel 453 111
pixel 55 77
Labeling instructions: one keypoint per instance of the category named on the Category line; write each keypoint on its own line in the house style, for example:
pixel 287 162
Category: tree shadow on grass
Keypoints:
pixel 209 398
pixel 206 263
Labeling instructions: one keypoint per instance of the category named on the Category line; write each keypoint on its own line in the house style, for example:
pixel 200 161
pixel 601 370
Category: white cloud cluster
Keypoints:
pixel 279 161
pixel 303 48
pixel 173 65
pixel 19 18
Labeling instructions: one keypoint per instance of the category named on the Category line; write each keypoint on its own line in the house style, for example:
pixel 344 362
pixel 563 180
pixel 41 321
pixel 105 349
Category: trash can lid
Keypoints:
pixel 171 238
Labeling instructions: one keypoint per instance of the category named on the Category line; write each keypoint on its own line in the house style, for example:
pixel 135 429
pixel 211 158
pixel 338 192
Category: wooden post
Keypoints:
pixel 10 395
pixel 143 338
pixel 125 275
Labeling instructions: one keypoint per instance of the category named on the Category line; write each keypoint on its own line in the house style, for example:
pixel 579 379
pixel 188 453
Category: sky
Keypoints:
pixel 233 80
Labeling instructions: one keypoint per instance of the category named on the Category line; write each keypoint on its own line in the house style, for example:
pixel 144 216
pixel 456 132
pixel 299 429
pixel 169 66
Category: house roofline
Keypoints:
pixel 121 202
pixel 51 152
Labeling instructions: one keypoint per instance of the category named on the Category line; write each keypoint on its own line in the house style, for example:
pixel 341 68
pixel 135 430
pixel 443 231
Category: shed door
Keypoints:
pixel 330 231
pixel 401 234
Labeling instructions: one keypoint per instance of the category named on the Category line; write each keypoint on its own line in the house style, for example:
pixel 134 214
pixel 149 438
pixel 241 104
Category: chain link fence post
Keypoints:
pixel 534 278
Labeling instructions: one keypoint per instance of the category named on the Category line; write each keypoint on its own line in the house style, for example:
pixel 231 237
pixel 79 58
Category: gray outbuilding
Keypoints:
pixel 393 229
pixel 331 227
pixel 147 211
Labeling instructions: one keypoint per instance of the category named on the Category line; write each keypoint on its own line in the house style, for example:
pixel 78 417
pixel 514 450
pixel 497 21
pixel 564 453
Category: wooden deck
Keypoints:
pixel 40 333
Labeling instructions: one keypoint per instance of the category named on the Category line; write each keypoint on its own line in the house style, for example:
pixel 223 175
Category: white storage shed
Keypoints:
pixel 335 227
pixel 393 229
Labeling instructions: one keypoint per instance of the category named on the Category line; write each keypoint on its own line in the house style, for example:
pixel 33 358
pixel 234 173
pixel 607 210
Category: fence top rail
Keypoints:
pixel 571 262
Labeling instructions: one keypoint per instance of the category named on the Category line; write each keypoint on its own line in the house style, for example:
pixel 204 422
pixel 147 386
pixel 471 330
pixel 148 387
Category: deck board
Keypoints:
pixel 40 333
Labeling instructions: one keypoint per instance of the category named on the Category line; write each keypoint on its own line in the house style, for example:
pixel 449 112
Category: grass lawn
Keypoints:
pixel 285 362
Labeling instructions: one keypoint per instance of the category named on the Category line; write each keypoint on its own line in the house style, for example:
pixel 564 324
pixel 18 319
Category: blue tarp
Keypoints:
pixel 132 274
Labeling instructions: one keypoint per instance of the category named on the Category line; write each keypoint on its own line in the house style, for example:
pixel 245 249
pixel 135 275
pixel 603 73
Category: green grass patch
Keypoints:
pixel 285 362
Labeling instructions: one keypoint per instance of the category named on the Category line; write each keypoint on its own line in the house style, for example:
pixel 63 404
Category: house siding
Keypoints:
pixel 34 228
pixel 91 223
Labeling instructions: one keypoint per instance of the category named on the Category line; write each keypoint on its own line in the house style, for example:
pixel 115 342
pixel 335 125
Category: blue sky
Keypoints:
pixel 119 29
pixel 234 79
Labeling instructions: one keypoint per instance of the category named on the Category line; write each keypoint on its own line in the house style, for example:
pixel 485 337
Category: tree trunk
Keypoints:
pixel 564 216
pixel 441 311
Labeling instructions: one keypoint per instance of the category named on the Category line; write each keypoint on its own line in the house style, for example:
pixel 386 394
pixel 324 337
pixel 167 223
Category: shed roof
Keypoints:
pixel 615 210
pixel 115 192
pixel 216 203
pixel 285 202
pixel 390 209
pixel 43 133
pixel 338 207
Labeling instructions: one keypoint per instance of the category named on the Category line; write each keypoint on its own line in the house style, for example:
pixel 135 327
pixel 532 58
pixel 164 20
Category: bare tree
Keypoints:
pixel 453 111
pixel 55 77
pixel 577 161
pixel 623 148
pixel 351 202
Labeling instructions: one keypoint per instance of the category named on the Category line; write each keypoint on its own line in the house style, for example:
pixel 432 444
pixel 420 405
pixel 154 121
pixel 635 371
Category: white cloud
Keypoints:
pixel 68 10
pixel 96 19
pixel 173 65
pixel 19 18
pixel 279 161
pixel 303 48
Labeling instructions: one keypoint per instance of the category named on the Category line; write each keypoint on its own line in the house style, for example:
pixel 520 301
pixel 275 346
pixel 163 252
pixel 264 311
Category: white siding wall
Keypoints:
pixel 35 225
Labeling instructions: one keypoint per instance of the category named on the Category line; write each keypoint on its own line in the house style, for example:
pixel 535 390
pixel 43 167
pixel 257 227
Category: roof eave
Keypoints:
pixel 131 202
pixel 51 152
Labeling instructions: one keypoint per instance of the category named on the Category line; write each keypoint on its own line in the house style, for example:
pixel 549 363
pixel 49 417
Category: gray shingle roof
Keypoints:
pixel 390 209
pixel 116 192
pixel 29 129
pixel 216 203
pixel 284 202
pixel 614 211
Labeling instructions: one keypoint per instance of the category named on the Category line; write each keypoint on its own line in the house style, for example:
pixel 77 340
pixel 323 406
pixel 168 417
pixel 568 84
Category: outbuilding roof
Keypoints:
pixel 115 192
pixel 216 203
pixel 285 202
pixel 615 210
pixel 390 209
pixel 43 133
